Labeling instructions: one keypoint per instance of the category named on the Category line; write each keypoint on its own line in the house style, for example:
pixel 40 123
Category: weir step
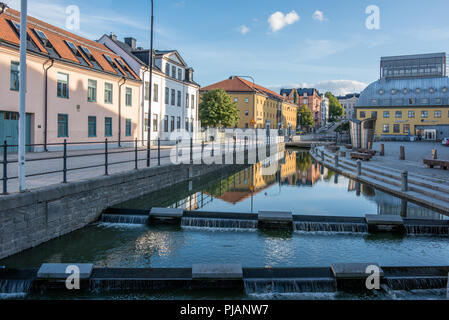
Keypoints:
pixel 354 270
pixel 226 271
pixel 60 271
pixel 166 213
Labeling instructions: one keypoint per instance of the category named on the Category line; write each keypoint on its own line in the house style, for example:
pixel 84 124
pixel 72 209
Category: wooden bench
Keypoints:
pixel 368 151
pixel 361 156
pixel 431 163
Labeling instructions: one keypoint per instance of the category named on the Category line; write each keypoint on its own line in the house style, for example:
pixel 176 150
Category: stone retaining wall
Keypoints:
pixel 29 219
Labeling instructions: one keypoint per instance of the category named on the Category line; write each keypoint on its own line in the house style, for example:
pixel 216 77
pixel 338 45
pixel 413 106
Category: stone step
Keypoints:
pixel 354 270
pixel 166 213
pixel 225 271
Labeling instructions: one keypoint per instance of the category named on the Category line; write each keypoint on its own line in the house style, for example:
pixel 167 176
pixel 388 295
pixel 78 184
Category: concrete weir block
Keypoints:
pixel 353 270
pixel 275 219
pixel 393 223
pixel 226 271
pixel 60 271
pixel 166 213
pixel 275 216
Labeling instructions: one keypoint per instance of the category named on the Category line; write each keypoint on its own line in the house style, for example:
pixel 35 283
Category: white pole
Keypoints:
pixel 22 87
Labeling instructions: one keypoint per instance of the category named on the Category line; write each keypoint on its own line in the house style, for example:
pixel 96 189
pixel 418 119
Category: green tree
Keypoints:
pixel 335 109
pixel 217 109
pixel 305 116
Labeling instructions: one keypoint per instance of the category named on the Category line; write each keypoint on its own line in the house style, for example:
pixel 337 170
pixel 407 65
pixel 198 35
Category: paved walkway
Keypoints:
pixel 91 161
pixel 415 152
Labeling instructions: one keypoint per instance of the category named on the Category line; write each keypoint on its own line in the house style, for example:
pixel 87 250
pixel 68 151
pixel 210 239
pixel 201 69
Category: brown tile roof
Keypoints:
pixel 237 84
pixel 56 37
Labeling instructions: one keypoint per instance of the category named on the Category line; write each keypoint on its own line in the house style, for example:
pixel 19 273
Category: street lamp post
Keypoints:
pixel 22 94
pixel 150 56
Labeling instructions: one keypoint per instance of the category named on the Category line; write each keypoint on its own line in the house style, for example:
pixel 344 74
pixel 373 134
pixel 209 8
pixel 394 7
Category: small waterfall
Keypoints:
pixel 14 288
pixel 427 230
pixel 223 224
pixel 414 283
pixel 343 227
pixel 290 285
pixel 123 219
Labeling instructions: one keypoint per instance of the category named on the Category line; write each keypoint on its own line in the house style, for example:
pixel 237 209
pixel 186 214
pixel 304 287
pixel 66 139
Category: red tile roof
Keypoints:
pixel 56 37
pixel 237 84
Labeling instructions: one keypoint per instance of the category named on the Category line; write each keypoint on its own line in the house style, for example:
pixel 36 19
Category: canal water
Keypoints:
pixel 299 185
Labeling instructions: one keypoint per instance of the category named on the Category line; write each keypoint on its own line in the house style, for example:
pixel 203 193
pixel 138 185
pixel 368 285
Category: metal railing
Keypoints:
pixel 139 147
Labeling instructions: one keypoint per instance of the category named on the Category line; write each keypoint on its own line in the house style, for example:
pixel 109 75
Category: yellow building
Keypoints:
pixel 411 98
pixel 259 107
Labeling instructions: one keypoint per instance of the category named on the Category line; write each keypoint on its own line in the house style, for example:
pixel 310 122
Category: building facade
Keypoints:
pixel 258 107
pixel 77 89
pixel 410 99
pixel 348 102
pixel 175 95
pixel 324 110
pixel 309 97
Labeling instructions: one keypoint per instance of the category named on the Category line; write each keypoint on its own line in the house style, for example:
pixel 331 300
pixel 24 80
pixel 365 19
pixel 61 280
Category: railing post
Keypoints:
pixel 177 151
pixel 322 155
pixel 106 163
pixel 402 153
pixel 359 168
pixel 405 181
pixel 382 149
pixel 158 151
pixel 191 150
pixel 148 152
pixel 5 168
pixel 202 150
pixel 136 156
pixel 434 154
pixel 336 160
pixel 64 163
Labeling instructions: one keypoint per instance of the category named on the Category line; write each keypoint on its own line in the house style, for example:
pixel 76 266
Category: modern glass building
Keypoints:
pixel 411 98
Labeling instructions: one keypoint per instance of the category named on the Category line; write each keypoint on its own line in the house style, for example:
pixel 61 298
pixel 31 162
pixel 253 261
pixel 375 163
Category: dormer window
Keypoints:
pixel 46 43
pixel 124 67
pixel 76 52
pixel 91 58
pixel 113 65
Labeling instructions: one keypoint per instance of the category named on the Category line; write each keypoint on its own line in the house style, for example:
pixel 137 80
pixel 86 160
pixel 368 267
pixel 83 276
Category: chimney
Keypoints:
pixel 113 36
pixel 131 42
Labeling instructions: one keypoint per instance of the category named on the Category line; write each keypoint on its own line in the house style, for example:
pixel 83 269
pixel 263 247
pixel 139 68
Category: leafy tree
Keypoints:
pixel 305 116
pixel 217 109
pixel 335 109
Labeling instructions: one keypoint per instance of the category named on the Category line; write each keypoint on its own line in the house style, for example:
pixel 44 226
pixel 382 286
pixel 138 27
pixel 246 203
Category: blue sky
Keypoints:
pixel 330 49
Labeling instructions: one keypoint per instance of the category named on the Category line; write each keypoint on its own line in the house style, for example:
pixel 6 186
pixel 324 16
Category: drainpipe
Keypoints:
pixel 120 84
pixel 142 131
pixel 46 101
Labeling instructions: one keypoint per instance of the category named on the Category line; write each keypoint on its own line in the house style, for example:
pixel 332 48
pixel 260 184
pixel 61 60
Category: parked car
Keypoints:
pixel 445 142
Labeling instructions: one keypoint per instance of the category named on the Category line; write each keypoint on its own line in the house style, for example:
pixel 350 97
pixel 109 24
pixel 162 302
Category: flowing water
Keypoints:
pixel 299 185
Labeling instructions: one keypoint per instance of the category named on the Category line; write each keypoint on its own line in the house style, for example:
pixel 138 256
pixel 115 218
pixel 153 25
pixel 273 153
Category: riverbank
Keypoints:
pixel 428 190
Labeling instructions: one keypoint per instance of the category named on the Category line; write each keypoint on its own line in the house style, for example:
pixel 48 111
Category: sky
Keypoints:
pixel 324 44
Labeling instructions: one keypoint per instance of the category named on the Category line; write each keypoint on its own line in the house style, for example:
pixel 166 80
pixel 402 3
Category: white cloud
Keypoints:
pixel 318 15
pixel 244 29
pixel 278 20
pixel 337 87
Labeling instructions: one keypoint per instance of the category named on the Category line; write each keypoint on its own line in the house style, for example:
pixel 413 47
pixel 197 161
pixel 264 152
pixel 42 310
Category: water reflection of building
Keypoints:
pixel 387 204
pixel 390 205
